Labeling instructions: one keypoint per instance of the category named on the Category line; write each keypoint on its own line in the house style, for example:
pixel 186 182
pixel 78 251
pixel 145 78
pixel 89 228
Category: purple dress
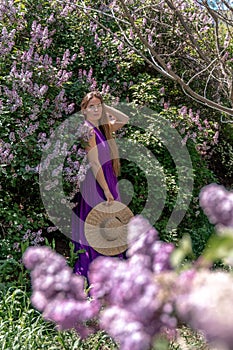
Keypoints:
pixel 89 196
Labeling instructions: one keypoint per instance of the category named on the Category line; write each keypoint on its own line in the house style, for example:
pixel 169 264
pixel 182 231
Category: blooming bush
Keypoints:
pixel 49 60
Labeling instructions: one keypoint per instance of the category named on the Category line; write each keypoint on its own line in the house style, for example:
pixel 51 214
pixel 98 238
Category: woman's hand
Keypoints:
pixel 119 119
pixel 109 196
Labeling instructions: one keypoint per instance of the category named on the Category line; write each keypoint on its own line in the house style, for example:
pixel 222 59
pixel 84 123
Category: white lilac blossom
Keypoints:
pixel 217 204
pixel 204 302
pixel 57 292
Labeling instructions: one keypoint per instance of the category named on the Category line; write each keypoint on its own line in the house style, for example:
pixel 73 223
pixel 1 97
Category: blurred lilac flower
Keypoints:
pixel 82 51
pixel 143 239
pixel 217 204
pixel 134 310
pixel 57 292
pixel 204 303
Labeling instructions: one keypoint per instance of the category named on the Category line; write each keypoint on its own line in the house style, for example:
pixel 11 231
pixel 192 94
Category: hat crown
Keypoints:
pixel 110 228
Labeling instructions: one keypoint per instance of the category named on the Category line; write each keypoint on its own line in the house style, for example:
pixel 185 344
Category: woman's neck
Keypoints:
pixel 95 123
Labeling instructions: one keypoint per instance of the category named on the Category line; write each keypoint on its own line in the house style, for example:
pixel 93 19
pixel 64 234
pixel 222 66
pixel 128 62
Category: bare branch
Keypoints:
pixel 204 52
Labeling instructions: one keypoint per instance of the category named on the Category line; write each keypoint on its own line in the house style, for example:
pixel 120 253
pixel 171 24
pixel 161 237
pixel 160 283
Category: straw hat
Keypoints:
pixel 106 227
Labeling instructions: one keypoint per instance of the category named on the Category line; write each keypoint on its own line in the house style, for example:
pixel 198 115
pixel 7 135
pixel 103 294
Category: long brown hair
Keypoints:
pixel 105 126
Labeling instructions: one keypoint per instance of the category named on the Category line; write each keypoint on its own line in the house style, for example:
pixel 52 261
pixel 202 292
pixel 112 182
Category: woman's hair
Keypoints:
pixel 105 126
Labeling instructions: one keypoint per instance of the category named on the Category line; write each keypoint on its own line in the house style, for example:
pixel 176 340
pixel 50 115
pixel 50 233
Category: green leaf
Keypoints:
pixel 219 247
pixel 184 249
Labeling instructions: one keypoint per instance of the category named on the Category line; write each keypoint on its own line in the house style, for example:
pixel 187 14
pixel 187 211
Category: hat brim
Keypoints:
pixel 95 236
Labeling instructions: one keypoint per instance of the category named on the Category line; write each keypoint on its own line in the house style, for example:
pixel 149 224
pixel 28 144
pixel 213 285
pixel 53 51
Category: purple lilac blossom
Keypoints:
pixel 133 299
pixel 217 204
pixel 5 152
pixel 6 41
pixel 57 292
pixel 143 240
pixel 136 308
pixel 34 238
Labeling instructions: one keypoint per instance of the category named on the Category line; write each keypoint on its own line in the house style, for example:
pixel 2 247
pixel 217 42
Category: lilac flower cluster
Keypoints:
pixel 41 35
pixel 67 59
pixel 12 99
pixel 203 133
pixel 11 14
pixel 51 229
pixel 6 41
pixel 143 241
pixel 87 77
pixel 217 204
pixel 34 238
pixel 56 150
pixel 64 7
pixel 77 165
pixel 5 7
pixel 34 73
pixel 60 103
pixel 6 155
pixel 57 292
pixel 76 170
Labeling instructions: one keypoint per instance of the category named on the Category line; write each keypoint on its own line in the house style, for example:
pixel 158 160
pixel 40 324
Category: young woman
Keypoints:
pixel 100 183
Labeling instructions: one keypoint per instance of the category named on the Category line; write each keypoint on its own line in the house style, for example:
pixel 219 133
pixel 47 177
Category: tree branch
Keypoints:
pixel 217 69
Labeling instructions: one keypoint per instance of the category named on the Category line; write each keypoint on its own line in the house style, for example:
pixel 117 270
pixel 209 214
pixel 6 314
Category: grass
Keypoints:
pixel 190 340
pixel 23 328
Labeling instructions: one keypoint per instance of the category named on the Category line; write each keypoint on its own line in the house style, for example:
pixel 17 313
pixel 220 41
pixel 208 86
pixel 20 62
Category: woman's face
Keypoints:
pixel 93 111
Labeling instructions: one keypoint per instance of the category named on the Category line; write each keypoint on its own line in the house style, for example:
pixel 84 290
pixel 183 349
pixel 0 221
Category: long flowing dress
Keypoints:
pixel 89 196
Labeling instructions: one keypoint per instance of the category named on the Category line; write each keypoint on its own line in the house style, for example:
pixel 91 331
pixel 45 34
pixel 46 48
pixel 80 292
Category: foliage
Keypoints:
pixel 224 152
pixel 159 168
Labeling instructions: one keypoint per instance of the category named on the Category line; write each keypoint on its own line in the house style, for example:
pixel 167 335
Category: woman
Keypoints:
pixel 100 183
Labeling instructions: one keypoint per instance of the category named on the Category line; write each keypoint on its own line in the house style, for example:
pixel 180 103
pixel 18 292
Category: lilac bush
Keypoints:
pixel 32 102
pixel 44 75
pixel 36 69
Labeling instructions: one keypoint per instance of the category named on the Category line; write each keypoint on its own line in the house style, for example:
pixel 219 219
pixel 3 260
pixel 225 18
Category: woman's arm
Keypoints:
pixel 119 118
pixel 97 168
